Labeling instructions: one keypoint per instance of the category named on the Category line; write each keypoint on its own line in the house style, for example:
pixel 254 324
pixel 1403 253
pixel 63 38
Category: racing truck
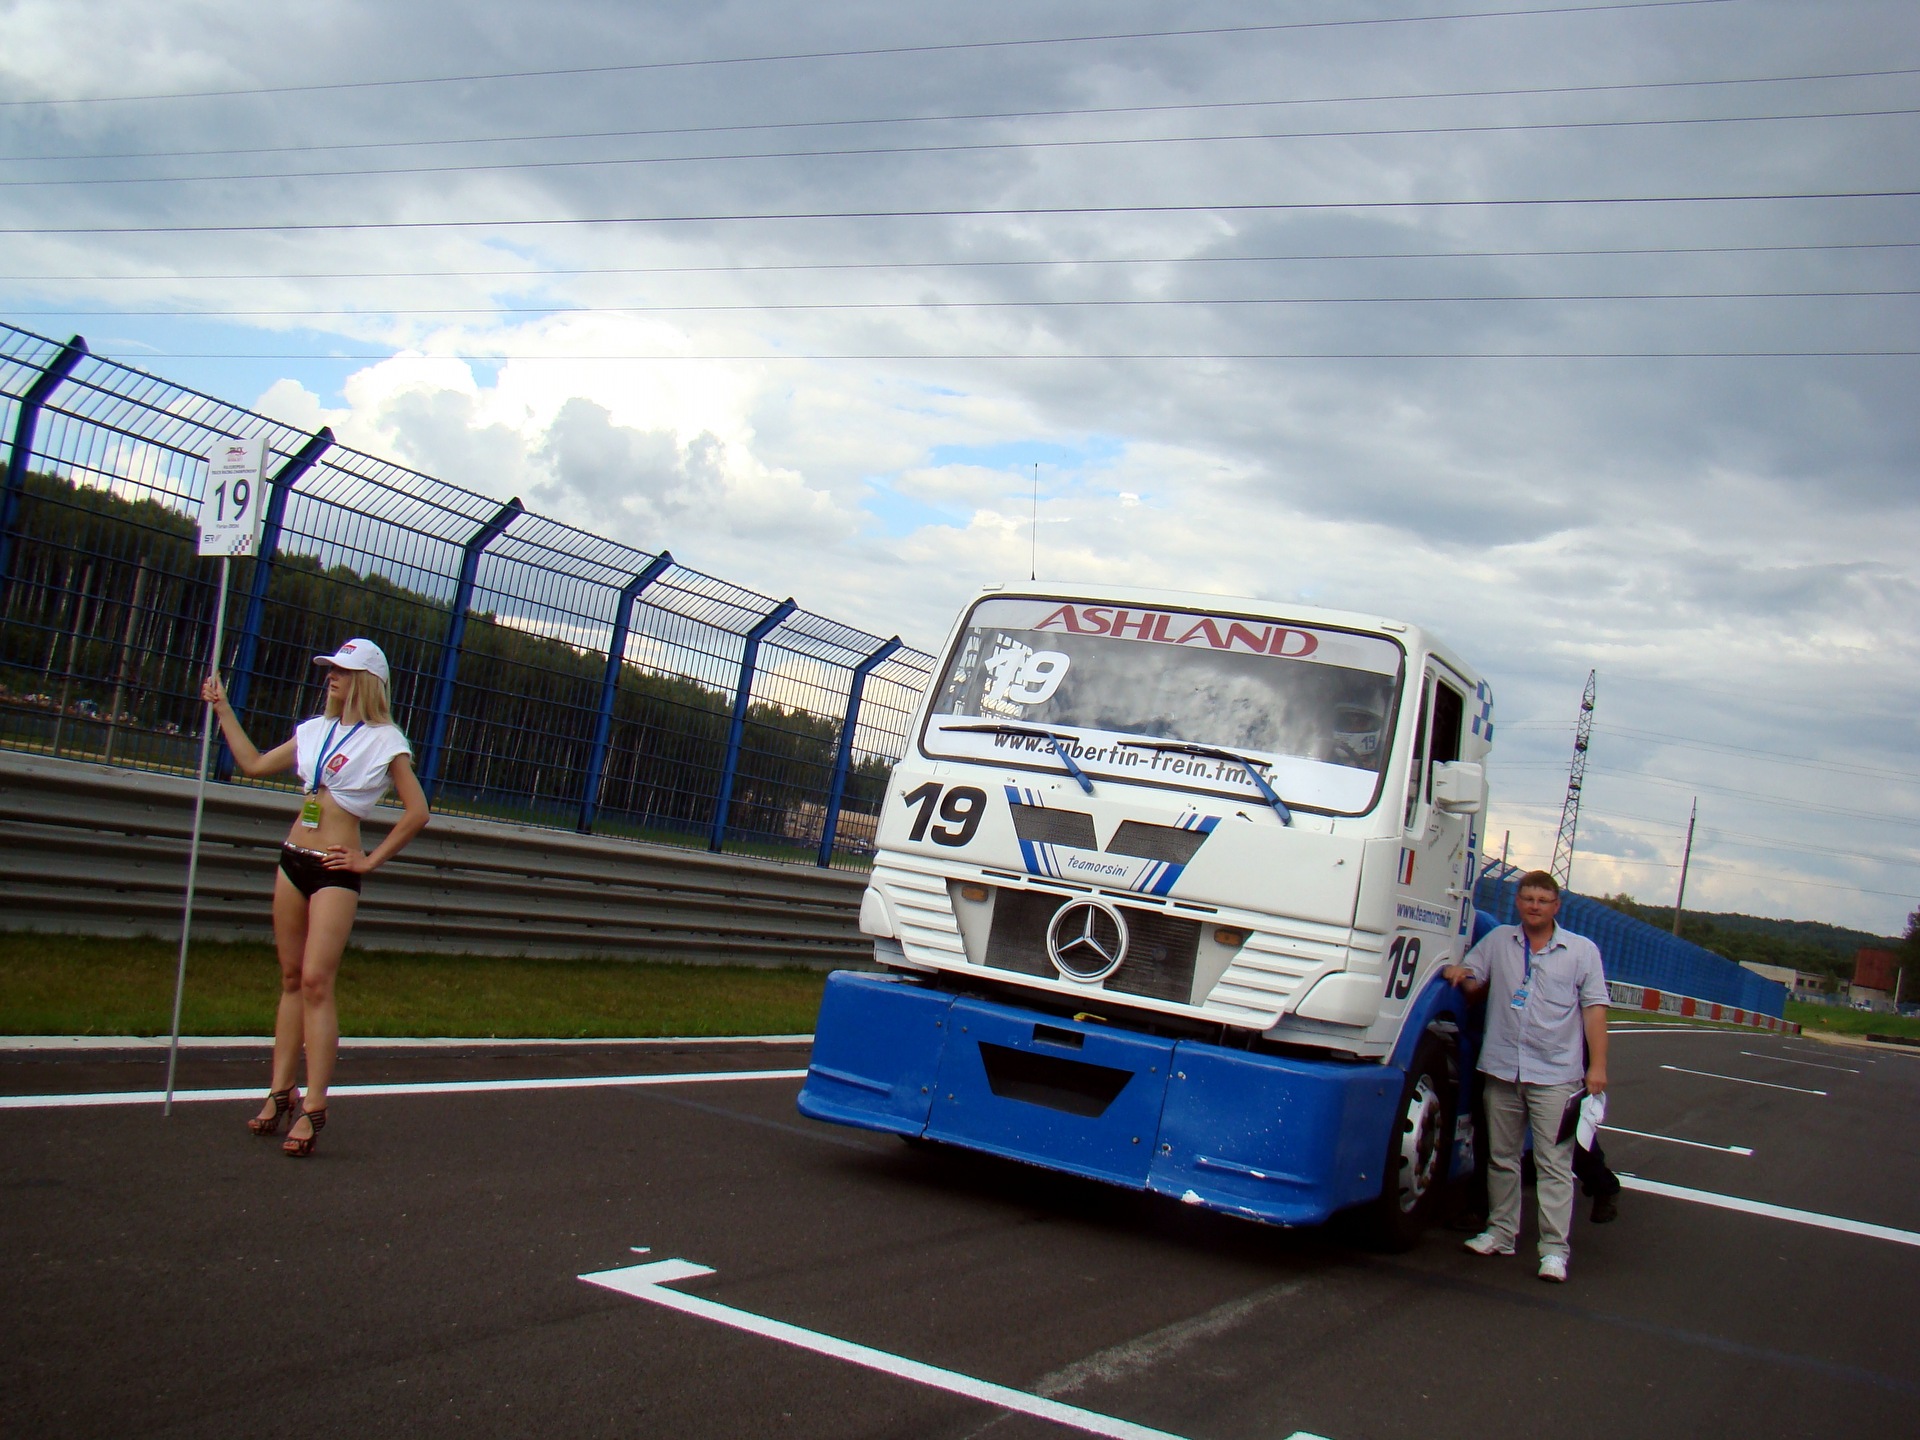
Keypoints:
pixel 1161 892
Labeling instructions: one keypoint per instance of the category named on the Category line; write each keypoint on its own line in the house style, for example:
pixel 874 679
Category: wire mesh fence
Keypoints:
pixel 544 674
pixel 1636 953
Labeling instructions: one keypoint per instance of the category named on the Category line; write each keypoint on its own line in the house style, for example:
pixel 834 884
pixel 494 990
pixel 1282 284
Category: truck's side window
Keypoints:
pixel 1449 712
pixel 1418 769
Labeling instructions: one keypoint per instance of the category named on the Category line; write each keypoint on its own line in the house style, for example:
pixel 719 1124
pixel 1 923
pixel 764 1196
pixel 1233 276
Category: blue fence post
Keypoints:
pixel 247 639
pixel 742 694
pixel 456 632
pixel 609 688
pixel 21 455
pixel 843 757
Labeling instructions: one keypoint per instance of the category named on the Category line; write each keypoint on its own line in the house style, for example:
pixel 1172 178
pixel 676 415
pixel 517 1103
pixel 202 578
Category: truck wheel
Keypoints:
pixel 1419 1146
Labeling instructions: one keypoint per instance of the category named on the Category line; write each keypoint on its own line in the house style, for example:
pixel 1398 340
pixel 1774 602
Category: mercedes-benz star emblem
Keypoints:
pixel 1086 940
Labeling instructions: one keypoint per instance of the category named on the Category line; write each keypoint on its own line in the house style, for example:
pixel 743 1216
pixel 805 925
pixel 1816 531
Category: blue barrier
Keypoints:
pixel 1636 953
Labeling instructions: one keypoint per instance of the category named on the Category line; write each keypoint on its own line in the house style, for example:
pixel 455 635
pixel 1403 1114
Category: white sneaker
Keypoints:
pixel 1554 1268
pixel 1488 1243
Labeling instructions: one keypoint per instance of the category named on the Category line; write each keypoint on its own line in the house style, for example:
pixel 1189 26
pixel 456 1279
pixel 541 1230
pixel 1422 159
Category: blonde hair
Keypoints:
pixel 365 693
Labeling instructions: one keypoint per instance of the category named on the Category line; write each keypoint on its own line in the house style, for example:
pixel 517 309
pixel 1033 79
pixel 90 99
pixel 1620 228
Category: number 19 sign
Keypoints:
pixel 234 505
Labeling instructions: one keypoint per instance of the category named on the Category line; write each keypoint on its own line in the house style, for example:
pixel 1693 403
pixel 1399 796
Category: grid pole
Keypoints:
pixel 21 455
pixel 742 695
pixel 456 632
pixel 247 641
pixel 843 757
pixel 193 845
pixel 609 687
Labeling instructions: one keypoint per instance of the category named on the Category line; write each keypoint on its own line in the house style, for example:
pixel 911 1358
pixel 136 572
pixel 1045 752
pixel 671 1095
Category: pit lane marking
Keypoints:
pixel 1742 1080
pixel 1773 1212
pixel 648 1282
pixel 1810 1064
pixel 1676 1140
pixel 410 1087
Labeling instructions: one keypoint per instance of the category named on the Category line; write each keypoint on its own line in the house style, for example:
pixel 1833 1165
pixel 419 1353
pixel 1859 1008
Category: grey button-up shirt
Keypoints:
pixel 1541 1044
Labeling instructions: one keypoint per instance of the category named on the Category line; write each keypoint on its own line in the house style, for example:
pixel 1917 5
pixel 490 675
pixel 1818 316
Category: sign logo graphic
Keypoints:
pixel 1086 940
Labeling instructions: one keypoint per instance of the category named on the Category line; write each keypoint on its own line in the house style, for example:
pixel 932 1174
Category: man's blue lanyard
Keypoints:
pixel 328 749
pixel 1526 955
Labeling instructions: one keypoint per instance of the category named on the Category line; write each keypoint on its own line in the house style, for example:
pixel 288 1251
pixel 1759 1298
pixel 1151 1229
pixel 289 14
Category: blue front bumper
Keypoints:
pixel 1282 1140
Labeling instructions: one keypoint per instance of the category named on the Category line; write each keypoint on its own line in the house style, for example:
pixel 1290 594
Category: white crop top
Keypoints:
pixel 357 768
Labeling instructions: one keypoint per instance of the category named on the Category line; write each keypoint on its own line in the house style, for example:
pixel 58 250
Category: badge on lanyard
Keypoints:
pixel 310 807
pixel 1519 1001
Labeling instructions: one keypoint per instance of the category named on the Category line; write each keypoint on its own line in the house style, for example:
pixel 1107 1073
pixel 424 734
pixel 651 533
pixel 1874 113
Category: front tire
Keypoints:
pixel 1419 1151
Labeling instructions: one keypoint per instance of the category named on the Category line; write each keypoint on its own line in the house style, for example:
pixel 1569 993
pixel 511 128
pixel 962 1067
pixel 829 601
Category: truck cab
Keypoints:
pixel 1207 855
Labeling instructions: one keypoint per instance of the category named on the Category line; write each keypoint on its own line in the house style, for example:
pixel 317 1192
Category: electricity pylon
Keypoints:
pixel 1576 777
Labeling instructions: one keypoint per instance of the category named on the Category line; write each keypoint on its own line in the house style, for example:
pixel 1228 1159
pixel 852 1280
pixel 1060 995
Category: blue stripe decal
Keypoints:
pixel 1204 824
pixel 1026 846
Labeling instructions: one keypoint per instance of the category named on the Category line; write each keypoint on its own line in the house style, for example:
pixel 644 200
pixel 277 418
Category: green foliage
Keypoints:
pixel 1808 945
pixel 110 609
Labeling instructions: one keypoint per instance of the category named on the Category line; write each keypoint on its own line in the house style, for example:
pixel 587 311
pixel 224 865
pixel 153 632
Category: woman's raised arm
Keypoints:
pixel 245 753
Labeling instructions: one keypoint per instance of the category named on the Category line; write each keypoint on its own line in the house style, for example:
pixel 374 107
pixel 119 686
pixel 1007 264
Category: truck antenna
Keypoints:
pixel 1033 543
pixel 1576 776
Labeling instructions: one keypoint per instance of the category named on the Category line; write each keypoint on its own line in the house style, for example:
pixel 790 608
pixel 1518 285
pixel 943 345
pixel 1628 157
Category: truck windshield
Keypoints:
pixel 1312 707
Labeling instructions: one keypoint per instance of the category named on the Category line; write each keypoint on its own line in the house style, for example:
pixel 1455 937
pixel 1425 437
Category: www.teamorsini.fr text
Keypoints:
pixel 1127 757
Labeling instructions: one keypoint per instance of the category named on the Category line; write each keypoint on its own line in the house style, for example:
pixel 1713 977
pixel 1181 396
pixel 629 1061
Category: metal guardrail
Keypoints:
pixel 1637 954
pixel 91 849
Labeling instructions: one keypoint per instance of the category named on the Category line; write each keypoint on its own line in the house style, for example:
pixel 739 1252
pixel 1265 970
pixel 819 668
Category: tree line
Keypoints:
pixel 108 615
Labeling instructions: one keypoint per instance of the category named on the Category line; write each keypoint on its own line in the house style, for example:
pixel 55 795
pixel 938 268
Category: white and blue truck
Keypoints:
pixel 1162 889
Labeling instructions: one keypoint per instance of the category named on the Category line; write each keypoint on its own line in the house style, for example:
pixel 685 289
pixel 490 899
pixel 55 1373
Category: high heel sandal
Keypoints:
pixel 283 1101
pixel 300 1149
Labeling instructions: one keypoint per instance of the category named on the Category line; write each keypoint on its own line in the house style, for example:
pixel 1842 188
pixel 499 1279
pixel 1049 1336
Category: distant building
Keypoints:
pixel 1801 984
pixel 1874 977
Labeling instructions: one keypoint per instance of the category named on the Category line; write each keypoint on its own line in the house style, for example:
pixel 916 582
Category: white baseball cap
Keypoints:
pixel 359 655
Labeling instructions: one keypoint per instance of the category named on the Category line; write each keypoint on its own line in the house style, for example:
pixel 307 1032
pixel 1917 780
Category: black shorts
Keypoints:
pixel 308 871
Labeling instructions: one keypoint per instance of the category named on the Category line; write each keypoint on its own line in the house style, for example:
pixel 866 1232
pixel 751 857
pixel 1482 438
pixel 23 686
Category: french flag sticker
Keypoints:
pixel 1406 867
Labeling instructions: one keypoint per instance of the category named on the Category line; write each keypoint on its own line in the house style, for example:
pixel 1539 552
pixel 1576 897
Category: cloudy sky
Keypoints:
pixel 1578 332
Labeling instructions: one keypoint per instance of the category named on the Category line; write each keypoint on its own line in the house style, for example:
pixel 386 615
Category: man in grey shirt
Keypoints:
pixel 1546 991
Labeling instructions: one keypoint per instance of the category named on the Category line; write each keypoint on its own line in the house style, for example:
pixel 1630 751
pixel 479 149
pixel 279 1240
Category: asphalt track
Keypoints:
pixel 420 1276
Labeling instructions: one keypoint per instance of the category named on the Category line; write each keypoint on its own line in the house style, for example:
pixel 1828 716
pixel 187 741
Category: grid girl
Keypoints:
pixel 346 759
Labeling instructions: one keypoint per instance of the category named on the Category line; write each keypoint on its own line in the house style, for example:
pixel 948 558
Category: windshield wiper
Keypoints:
pixel 1214 752
pixel 1046 735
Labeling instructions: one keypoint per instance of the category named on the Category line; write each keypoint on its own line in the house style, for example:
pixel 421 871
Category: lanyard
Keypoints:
pixel 329 749
pixel 1526 954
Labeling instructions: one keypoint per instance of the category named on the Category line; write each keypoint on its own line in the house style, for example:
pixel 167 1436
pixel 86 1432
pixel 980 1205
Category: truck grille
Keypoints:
pixel 1160 947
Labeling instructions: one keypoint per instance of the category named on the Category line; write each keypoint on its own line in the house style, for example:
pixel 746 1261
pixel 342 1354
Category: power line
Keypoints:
pixel 788 358
pixel 1124 302
pixel 1740 839
pixel 1758 875
pixel 1080 112
pixel 854 54
pixel 954 148
pixel 1811 807
pixel 1018 212
pixel 1872 772
pixel 870 266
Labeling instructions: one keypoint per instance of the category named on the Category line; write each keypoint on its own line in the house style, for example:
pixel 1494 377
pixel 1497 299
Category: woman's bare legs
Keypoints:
pixel 330 914
pixel 290 941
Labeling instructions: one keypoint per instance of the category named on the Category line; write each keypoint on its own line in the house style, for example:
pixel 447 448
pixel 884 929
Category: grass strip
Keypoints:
pixel 86 985
pixel 1844 1020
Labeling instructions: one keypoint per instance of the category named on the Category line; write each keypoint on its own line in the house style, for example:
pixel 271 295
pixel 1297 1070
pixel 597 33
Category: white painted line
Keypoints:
pixel 649 1281
pixel 1738 1080
pixel 1829 1049
pixel 1773 1212
pixel 1810 1064
pixel 1676 1140
pixel 1676 1029
pixel 373 1042
pixel 422 1087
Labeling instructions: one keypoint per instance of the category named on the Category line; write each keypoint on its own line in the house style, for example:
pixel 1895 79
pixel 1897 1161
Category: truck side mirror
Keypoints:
pixel 1460 787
